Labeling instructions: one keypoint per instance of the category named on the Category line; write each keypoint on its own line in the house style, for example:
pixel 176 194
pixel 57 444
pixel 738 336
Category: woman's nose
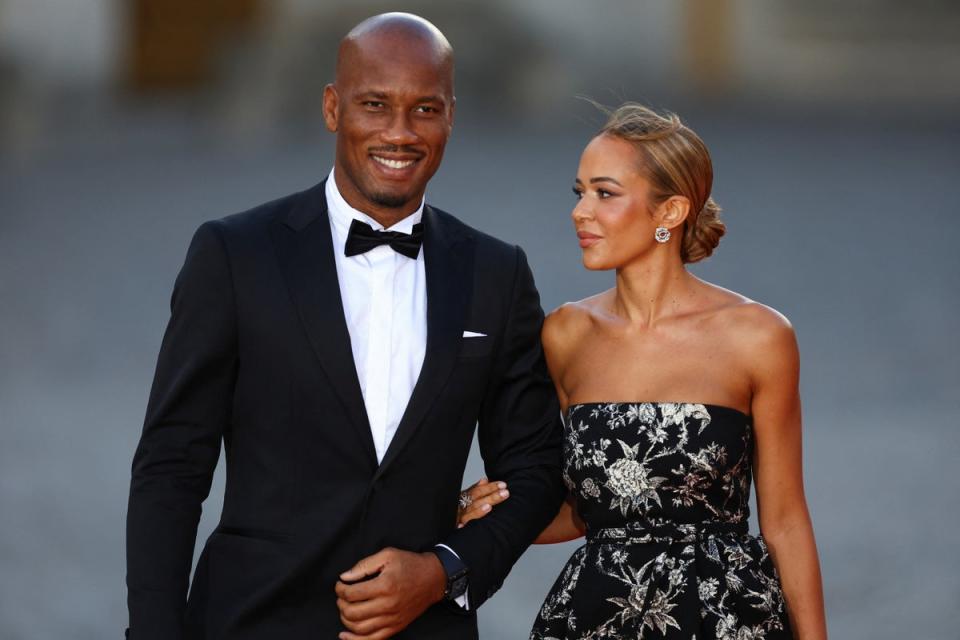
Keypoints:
pixel 580 212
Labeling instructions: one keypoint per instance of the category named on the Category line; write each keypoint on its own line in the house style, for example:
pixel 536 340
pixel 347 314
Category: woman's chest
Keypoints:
pixel 682 368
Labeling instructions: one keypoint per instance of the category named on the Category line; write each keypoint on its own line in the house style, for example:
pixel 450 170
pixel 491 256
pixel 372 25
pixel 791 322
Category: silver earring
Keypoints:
pixel 662 234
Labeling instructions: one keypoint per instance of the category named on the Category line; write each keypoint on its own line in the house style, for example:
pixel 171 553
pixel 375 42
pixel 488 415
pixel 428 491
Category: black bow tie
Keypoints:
pixel 363 238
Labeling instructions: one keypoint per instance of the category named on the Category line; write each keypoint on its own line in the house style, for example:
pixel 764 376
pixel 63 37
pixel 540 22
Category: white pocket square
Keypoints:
pixel 473 334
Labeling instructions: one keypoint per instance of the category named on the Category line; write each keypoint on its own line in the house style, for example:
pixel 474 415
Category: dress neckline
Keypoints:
pixel 659 404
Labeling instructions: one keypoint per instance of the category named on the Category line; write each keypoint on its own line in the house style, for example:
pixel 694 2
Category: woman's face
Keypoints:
pixel 612 215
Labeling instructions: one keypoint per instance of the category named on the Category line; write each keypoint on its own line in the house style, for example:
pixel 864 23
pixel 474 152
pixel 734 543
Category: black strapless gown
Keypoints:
pixel 664 491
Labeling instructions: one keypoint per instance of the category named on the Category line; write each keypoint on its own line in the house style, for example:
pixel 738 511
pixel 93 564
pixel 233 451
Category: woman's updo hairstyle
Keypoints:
pixel 677 163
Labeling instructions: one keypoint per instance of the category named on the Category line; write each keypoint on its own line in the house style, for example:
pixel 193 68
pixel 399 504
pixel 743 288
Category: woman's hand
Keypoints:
pixel 478 500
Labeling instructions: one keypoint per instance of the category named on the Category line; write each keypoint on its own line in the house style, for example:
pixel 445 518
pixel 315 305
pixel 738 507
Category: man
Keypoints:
pixel 345 369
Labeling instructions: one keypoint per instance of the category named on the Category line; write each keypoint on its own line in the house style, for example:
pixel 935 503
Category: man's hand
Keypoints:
pixel 404 585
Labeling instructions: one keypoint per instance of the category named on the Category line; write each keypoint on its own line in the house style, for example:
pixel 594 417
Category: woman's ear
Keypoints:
pixel 672 212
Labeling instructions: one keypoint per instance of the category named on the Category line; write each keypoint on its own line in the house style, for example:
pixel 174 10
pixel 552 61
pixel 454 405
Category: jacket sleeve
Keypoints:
pixel 187 414
pixel 520 433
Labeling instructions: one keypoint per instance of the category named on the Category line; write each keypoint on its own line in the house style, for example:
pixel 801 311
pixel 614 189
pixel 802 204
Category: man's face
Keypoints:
pixel 392 110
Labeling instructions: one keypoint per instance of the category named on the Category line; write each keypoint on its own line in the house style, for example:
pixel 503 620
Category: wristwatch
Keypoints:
pixel 457 573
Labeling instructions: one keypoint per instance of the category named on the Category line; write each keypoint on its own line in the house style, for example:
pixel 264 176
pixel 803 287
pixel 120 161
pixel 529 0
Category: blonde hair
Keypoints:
pixel 677 163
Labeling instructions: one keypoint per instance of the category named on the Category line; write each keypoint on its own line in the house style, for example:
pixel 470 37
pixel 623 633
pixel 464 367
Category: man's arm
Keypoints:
pixel 520 434
pixel 188 411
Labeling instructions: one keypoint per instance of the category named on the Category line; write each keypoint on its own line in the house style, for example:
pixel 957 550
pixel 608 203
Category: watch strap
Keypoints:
pixel 456 571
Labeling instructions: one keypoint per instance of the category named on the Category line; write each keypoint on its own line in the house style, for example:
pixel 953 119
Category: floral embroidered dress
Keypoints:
pixel 664 491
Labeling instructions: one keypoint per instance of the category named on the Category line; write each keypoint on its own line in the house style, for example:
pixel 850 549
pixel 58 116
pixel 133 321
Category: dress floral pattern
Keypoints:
pixel 664 490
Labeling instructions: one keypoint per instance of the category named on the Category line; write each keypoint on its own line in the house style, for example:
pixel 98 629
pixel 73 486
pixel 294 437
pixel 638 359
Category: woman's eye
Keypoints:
pixel 603 194
pixel 577 193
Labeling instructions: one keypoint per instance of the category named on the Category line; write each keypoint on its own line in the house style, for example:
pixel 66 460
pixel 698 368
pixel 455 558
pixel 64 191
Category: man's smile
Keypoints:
pixel 393 163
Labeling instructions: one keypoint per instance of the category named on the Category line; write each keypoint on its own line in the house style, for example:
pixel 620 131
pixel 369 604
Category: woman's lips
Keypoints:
pixel 587 239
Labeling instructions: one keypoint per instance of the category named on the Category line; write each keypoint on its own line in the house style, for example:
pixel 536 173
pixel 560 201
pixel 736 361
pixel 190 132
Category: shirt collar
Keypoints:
pixel 342 214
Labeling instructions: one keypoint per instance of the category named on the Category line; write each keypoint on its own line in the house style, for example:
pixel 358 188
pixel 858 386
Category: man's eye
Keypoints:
pixel 427 109
pixel 373 104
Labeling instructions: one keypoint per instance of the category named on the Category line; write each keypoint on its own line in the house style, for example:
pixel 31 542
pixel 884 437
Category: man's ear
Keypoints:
pixel 673 211
pixel 331 106
pixel 453 109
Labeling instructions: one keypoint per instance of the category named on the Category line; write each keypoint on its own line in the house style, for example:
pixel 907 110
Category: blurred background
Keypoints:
pixel 833 127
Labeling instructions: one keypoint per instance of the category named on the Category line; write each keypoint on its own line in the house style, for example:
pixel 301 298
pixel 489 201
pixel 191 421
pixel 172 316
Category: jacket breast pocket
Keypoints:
pixel 475 347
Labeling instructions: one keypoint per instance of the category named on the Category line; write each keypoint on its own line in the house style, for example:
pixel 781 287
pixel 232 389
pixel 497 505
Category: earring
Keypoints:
pixel 662 234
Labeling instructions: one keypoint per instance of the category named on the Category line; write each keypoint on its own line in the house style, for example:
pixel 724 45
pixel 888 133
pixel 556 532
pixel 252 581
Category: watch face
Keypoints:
pixel 458 586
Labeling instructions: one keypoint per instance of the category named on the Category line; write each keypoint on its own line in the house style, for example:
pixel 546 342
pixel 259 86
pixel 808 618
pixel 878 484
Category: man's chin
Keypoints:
pixel 390 200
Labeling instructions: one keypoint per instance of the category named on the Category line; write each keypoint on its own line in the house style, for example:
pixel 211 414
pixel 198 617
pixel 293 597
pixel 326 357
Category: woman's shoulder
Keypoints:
pixel 572 317
pixel 566 324
pixel 764 341
pixel 753 326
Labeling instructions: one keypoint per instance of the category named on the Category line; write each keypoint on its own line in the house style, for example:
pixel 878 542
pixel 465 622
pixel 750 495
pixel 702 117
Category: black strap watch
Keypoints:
pixel 457 573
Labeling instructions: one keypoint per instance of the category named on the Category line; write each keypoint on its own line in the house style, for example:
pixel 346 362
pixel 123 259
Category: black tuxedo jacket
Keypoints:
pixel 257 355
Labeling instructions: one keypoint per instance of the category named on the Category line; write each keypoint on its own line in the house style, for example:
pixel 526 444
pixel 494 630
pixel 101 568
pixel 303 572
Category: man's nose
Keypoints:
pixel 400 132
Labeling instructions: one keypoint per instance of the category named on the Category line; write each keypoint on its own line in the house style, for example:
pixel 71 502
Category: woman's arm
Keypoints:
pixel 566 526
pixel 558 337
pixel 782 507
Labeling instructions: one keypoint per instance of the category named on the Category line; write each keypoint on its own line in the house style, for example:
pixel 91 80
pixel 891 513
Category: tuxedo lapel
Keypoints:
pixel 304 247
pixel 448 262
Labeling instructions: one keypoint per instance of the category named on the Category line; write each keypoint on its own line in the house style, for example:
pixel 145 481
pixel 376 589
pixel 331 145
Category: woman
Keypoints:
pixel 675 391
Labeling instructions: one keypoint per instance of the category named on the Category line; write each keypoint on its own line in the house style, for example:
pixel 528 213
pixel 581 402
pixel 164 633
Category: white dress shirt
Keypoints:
pixel 385 303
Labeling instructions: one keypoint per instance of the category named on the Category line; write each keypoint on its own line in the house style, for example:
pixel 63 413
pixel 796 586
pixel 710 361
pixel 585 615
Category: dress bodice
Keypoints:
pixel 643 463
pixel 664 490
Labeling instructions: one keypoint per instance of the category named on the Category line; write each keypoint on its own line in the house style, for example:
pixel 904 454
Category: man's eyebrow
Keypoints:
pixel 605 179
pixel 383 95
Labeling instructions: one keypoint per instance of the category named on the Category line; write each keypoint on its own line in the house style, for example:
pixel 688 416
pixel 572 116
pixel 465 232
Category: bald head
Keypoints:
pixel 395 35
pixel 391 107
